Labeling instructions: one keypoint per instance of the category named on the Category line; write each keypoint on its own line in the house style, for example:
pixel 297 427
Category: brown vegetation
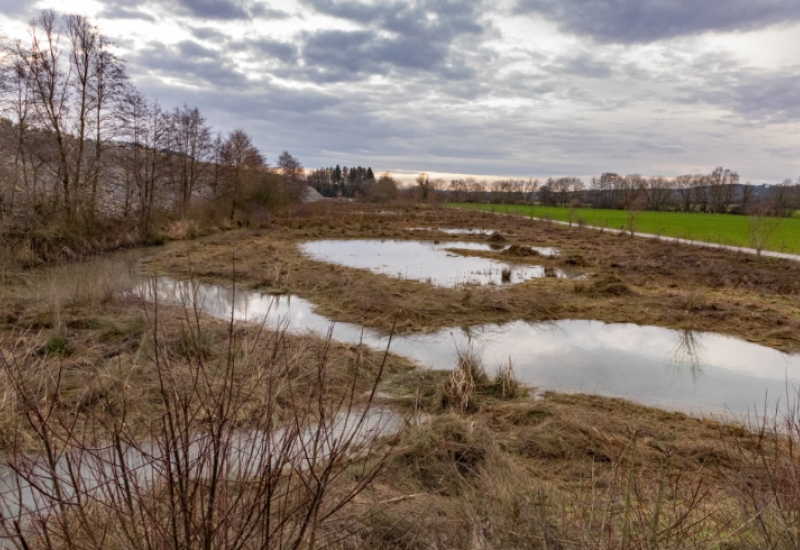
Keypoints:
pixel 88 164
pixel 631 280
pixel 485 465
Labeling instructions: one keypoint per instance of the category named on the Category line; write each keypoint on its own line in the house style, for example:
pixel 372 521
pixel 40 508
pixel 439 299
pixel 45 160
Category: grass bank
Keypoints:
pixel 623 279
pixel 714 228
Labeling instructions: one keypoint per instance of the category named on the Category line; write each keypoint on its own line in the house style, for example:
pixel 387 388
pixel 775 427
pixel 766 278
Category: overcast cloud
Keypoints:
pixel 515 88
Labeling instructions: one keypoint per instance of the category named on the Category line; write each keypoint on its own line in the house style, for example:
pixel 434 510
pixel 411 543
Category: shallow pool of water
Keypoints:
pixel 247 453
pixel 700 373
pixel 454 231
pixel 544 250
pixel 423 261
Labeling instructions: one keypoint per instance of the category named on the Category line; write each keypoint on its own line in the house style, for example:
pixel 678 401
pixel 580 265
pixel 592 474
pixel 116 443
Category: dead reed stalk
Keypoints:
pixel 212 471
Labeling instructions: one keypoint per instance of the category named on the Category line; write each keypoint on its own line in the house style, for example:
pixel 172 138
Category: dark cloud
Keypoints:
pixel 767 97
pixel 122 11
pixel 201 9
pixel 417 36
pixel 188 62
pixel 439 19
pixel 343 54
pixel 643 21
pixel 207 33
pixel 265 11
pixel 214 9
pixel 16 8
pixel 283 51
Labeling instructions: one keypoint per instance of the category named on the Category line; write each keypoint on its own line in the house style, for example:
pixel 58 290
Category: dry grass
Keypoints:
pixel 97 342
pixel 579 471
pixel 627 279
pixel 490 467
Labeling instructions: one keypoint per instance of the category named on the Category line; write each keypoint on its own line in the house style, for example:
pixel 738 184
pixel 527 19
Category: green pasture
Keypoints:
pixel 725 229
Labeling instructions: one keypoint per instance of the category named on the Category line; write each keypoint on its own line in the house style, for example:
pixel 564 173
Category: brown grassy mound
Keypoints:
pixel 519 251
pixel 575 260
pixel 609 285
pixel 497 237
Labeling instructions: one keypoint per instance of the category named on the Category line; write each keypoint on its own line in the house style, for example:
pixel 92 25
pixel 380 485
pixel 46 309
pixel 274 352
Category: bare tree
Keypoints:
pixel 564 189
pixel 722 184
pixel 49 83
pixel 761 226
pixel 477 189
pixel 292 171
pixel 191 142
pixel 781 197
pixel 658 191
pixel 529 189
pixel 684 185
pixel 631 190
pixel 460 189
pixel 700 192
pixel 499 190
pixel 747 196
pixel 145 159
pixel 424 185
pixel 240 159
pixel 605 190
pixel 70 100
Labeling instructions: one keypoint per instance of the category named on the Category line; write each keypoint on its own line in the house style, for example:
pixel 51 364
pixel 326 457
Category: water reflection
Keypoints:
pixel 644 364
pixel 688 355
pixel 95 471
pixel 422 261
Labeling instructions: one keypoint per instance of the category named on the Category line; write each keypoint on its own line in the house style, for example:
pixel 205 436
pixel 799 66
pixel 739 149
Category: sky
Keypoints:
pixel 508 88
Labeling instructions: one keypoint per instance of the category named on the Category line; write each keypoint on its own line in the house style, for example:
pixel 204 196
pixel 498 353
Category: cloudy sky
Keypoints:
pixel 486 88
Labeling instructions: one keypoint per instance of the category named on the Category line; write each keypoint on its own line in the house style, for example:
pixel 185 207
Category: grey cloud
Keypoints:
pixel 763 96
pixel 284 51
pixel 440 19
pixel 418 36
pixel 16 8
pixel 120 9
pixel 355 52
pixel 207 33
pixel 214 9
pixel 189 62
pixel 266 12
pixel 643 21
pixel 123 12
pixel 585 65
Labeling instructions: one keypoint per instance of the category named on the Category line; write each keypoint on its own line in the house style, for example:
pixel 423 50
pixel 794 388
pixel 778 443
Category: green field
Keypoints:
pixel 716 228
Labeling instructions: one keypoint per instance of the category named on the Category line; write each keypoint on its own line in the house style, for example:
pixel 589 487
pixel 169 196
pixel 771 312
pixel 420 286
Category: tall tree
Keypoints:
pixel 240 159
pixel 292 172
pixel 191 144
pixel 147 129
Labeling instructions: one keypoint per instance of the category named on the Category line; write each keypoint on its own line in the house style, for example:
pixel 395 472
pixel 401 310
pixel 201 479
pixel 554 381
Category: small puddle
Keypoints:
pixel 247 453
pixel 423 261
pixel 454 231
pixel 544 250
pixel 696 373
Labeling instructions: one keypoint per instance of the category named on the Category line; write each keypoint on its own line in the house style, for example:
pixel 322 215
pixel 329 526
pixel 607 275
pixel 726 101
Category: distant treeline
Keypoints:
pixel 341 181
pixel 84 156
pixel 719 191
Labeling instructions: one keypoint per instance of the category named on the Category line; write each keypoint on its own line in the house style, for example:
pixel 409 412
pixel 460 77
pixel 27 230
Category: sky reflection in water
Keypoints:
pixel 694 372
pixel 423 261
